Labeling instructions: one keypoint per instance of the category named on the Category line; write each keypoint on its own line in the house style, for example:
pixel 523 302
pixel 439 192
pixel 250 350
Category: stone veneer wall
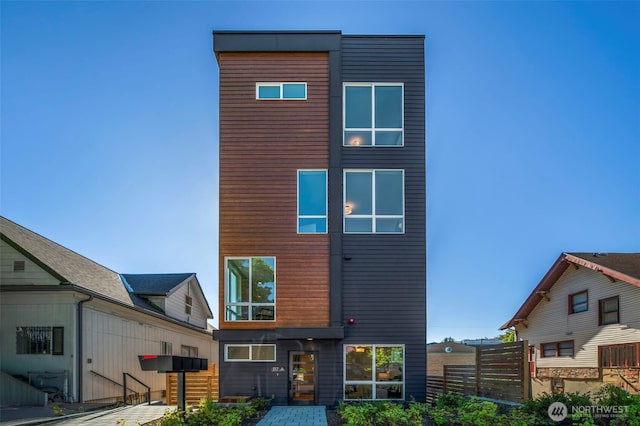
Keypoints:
pixel 568 373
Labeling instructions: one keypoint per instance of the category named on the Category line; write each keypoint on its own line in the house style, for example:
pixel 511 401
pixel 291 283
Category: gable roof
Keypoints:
pixel 155 284
pixel 70 267
pixel 64 264
pixel 615 266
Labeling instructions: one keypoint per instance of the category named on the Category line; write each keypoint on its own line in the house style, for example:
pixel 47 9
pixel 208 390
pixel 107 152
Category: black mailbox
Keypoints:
pixel 172 363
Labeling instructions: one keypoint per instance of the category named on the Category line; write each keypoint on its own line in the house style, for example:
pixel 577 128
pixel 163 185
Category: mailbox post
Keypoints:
pixel 174 364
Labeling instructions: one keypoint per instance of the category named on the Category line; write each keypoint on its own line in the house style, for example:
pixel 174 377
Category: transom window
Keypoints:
pixel 609 312
pixel 281 91
pixel 557 349
pixel 40 340
pixel 250 353
pixel 312 201
pixel 373 114
pixel 626 355
pixel 374 372
pixel 578 302
pixel 374 201
pixel 250 288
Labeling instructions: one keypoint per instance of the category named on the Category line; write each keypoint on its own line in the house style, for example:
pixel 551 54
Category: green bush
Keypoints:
pixel 382 413
pixel 211 413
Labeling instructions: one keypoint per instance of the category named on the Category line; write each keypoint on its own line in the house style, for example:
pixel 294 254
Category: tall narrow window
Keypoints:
pixel 250 288
pixel 374 201
pixel 373 114
pixel 609 311
pixel 312 201
pixel 281 91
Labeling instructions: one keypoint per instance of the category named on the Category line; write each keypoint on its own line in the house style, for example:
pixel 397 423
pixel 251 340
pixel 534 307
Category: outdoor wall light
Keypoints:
pixel 351 320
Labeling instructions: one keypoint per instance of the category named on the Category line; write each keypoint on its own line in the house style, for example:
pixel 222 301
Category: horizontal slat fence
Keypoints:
pixel 203 384
pixel 501 373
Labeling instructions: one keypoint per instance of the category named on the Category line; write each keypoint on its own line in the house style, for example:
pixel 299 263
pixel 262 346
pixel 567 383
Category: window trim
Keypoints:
pixel 249 304
pixel 280 85
pixel 250 346
pixel 326 202
pixel 373 215
pixel 601 303
pixel 557 349
pixel 572 305
pixel 602 348
pixel 374 380
pixel 373 127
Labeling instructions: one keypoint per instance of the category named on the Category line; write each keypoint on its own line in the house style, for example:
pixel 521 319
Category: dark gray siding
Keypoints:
pixel 259 379
pixel 384 282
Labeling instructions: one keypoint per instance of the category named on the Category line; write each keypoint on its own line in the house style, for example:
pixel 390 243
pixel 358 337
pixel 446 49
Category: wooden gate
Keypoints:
pixel 203 384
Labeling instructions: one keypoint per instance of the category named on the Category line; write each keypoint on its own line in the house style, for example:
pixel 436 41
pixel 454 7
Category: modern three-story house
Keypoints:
pixel 322 216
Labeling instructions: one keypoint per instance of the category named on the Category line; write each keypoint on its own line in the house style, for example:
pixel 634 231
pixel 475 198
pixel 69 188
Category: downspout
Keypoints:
pixel 80 342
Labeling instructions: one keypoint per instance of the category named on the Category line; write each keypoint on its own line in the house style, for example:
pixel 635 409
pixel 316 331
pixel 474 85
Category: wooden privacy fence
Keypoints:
pixel 501 372
pixel 203 384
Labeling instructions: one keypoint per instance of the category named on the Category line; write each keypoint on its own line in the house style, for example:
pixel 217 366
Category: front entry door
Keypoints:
pixel 302 378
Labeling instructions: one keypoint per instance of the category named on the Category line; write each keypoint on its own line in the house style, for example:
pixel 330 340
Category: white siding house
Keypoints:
pixel 582 323
pixel 74 327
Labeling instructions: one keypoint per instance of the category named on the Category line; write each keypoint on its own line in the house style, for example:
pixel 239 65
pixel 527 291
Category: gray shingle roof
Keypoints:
pixel 154 284
pixel 68 265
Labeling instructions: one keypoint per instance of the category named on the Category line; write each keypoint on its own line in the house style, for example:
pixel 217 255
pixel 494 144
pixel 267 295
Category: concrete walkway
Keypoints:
pixel 130 415
pixel 289 416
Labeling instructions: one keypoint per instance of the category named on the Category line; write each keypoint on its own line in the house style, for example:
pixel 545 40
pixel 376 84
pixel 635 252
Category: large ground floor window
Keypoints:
pixel 373 372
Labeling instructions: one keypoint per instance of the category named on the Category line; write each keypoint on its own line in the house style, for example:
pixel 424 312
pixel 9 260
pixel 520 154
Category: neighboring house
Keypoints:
pixel 448 353
pixel 322 216
pixel 582 323
pixel 73 327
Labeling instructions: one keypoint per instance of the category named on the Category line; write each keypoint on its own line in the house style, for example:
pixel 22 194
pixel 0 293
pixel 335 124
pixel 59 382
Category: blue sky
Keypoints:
pixel 109 134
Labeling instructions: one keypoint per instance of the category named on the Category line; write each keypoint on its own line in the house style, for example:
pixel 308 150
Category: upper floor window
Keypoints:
pixel 280 91
pixel 250 288
pixel 374 201
pixel 312 201
pixel 556 349
pixel 40 340
pixel 578 302
pixel 373 114
pixel 609 311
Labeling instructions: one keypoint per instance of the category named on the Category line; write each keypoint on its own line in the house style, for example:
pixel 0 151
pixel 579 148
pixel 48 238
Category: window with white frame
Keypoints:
pixel 250 288
pixel 374 201
pixel 312 201
pixel 250 353
pixel 281 91
pixel 373 372
pixel 40 340
pixel 373 114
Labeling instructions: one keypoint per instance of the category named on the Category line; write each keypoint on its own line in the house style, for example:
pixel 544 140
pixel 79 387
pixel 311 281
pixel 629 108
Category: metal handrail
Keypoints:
pixel 124 388
pixel 122 385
